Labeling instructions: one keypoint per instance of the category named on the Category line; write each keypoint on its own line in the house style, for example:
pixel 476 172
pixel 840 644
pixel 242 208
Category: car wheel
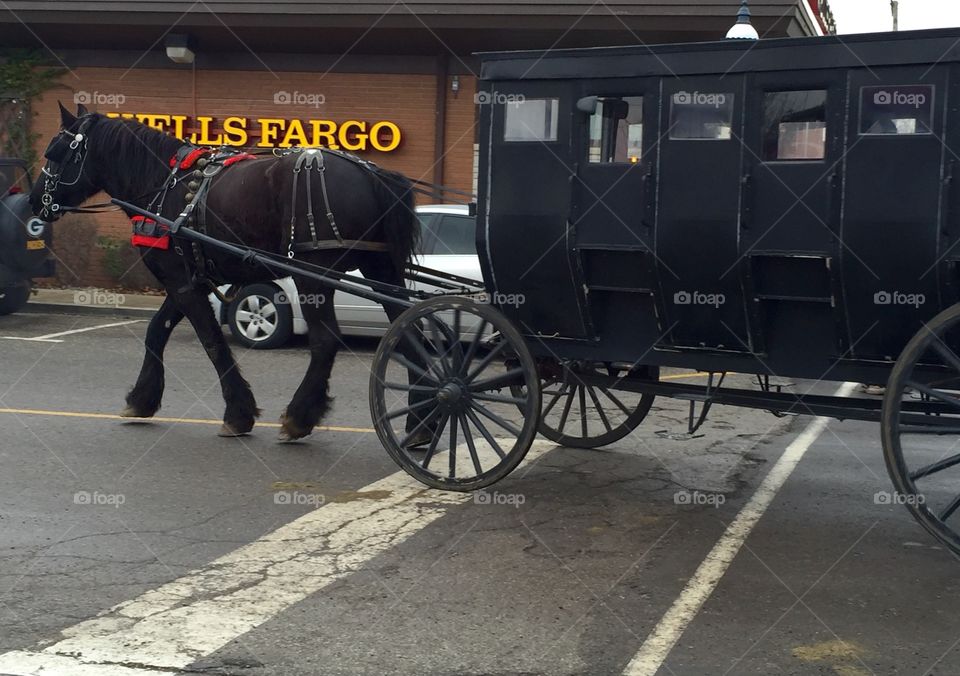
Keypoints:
pixel 13 298
pixel 260 317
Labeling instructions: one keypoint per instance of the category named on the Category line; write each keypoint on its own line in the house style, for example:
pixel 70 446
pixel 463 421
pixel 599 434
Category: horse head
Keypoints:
pixel 67 177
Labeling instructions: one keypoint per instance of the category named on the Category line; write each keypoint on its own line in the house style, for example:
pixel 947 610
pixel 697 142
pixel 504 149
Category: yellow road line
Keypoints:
pixel 680 376
pixel 192 421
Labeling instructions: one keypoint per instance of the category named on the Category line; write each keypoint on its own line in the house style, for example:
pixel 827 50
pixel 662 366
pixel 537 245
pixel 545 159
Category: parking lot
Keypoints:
pixel 759 546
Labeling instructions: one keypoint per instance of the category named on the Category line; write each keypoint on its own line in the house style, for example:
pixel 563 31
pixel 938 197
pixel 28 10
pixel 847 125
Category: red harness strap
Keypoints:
pixel 140 225
pixel 238 158
pixel 191 157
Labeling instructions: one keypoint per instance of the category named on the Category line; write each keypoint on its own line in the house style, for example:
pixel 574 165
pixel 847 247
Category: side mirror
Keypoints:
pixel 588 104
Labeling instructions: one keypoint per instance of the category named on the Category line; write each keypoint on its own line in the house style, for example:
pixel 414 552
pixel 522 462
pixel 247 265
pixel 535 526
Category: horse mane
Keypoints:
pixel 140 154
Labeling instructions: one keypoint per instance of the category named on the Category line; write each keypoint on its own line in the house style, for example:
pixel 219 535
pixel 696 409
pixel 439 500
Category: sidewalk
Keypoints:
pixel 93 301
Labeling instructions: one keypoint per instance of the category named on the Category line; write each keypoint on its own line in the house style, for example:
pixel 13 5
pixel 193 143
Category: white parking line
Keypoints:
pixel 178 623
pixel 51 337
pixel 654 651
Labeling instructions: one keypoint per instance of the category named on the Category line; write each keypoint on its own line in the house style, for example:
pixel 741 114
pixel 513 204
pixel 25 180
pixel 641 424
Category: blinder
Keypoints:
pixel 66 156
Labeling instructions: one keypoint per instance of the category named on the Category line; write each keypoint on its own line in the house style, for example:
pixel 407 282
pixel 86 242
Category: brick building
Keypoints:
pixel 393 82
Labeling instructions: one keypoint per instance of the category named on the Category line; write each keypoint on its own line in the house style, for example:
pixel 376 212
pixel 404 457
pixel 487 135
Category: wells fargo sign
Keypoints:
pixel 273 132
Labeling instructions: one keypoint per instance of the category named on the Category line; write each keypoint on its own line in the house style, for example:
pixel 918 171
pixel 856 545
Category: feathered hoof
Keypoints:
pixel 227 430
pixel 131 412
pixel 288 432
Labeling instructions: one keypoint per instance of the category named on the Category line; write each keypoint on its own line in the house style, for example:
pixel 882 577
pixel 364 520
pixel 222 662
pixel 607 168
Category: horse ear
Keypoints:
pixel 81 110
pixel 66 117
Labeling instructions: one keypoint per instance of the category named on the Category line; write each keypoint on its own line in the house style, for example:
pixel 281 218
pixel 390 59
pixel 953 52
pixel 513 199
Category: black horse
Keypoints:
pixel 249 204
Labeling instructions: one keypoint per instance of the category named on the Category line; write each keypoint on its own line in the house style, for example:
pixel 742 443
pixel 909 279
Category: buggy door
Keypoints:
pixel 892 205
pixel 524 239
pixel 697 224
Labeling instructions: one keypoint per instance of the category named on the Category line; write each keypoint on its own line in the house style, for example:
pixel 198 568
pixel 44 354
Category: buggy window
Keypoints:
pixel 531 120
pixel 706 116
pixel 456 235
pixel 616 131
pixel 795 125
pixel 896 111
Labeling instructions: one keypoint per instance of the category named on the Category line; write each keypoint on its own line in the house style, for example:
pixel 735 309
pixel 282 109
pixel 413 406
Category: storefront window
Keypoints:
pixel 795 125
pixel 616 131
pixel 896 111
pixel 705 116
pixel 531 120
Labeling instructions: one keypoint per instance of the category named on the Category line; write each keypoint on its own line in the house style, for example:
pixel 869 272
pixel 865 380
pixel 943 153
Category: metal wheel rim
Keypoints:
pixel 469 408
pixel 256 315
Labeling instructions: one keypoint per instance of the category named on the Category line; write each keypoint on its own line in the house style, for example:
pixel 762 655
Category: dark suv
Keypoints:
pixel 24 239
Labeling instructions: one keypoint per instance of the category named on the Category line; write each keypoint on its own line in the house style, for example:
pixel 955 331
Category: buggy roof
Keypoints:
pixel 727 56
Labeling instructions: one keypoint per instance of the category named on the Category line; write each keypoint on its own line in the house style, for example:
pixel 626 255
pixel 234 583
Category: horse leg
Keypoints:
pixel 311 400
pixel 380 268
pixel 241 410
pixel 144 399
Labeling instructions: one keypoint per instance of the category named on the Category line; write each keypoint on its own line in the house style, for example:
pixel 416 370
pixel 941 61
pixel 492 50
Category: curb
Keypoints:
pixel 35 307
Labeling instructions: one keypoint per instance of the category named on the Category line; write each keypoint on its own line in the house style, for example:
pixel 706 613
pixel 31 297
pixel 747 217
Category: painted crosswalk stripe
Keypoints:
pixel 167 628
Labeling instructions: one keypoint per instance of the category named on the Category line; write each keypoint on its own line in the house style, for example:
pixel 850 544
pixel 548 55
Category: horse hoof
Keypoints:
pixel 230 431
pixel 131 412
pixel 421 438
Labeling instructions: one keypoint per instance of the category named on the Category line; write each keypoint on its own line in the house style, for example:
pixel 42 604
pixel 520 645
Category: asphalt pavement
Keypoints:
pixel 756 547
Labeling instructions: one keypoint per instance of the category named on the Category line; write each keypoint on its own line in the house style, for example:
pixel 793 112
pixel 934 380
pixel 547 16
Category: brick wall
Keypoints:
pixel 407 100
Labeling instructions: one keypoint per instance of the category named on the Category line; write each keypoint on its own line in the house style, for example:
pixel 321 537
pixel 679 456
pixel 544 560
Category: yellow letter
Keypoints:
pixel 270 129
pixel 179 126
pixel 345 138
pixel 235 131
pixel 323 134
pixel 295 136
pixel 394 136
pixel 158 122
pixel 205 139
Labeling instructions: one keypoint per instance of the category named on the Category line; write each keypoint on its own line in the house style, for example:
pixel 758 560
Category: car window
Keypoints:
pixel 456 235
pixel 428 234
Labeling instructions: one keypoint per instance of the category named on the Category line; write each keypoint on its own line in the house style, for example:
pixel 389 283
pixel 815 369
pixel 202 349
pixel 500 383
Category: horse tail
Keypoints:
pixel 401 227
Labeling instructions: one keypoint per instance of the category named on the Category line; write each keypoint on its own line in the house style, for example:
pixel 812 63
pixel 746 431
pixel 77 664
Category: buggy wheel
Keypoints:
pixel 921 428
pixel 579 415
pixel 440 394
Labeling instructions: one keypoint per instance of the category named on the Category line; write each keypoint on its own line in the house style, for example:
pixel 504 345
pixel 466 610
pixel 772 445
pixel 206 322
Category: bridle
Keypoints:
pixel 76 154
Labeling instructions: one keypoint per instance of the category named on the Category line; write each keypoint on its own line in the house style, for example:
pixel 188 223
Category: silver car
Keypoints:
pixel 256 318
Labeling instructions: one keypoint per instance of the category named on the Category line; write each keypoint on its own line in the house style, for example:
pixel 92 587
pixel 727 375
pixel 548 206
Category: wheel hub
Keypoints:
pixel 451 395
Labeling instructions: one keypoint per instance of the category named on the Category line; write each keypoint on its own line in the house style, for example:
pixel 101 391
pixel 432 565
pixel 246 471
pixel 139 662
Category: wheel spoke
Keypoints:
pixel 472 350
pixel 253 302
pixel 948 355
pixel 500 399
pixel 935 394
pixel 486 433
pixel 418 347
pixel 583 412
pixel 268 311
pixel 603 415
pixel 487 358
pixel 497 382
pixel 470 445
pixel 408 388
pixel 935 467
pixel 410 366
pixel 453 447
pixel 244 315
pixel 410 409
pixel 949 509
pixel 438 344
pixel 433 442
pixel 251 331
pixel 420 425
pixel 553 402
pixel 482 410
pixel 616 401
pixel 566 410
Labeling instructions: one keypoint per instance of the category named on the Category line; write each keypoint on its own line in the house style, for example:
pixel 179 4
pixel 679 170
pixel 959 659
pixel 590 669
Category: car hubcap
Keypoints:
pixel 257 318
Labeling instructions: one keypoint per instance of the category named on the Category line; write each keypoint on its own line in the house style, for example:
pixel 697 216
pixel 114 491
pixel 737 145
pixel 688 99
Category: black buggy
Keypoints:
pixel 785 208
pixel 781 208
